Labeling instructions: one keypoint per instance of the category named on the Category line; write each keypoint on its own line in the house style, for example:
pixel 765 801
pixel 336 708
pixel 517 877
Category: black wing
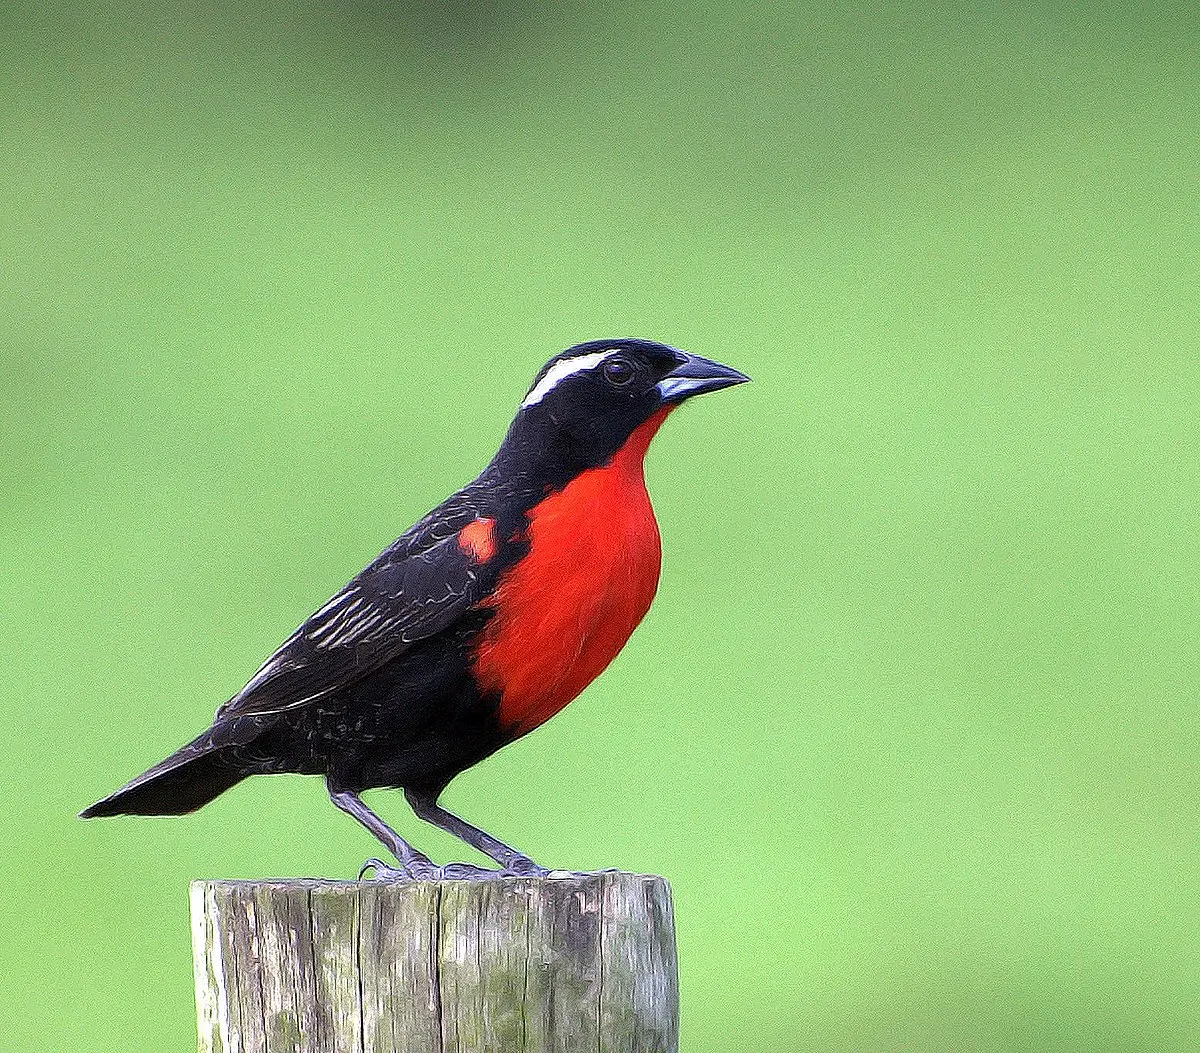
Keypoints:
pixel 408 594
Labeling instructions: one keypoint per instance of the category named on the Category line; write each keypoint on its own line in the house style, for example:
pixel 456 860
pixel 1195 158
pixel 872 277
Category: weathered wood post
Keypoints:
pixel 510 965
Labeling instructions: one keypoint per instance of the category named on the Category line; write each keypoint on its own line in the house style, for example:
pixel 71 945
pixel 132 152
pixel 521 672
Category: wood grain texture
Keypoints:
pixel 567 964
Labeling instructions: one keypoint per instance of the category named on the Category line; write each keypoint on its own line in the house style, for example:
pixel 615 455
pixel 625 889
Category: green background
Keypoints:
pixel 912 727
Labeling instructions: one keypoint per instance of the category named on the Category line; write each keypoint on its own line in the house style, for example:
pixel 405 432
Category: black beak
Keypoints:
pixel 696 375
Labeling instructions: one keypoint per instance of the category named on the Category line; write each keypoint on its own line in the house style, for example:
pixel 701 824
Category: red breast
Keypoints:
pixel 565 610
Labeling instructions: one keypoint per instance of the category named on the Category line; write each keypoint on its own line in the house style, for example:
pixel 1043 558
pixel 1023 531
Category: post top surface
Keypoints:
pixel 558 877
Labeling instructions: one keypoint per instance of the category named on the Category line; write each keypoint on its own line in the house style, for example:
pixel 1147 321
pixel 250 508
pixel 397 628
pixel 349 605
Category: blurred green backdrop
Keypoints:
pixel 912 728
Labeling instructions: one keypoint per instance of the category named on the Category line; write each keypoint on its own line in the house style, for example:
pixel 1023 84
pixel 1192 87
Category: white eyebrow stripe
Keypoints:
pixel 562 369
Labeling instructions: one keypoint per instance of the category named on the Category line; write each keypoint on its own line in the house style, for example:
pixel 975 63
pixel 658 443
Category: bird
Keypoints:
pixel 477 625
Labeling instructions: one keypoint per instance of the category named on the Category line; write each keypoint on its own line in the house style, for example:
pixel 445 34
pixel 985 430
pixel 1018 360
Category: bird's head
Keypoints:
pixel 586 403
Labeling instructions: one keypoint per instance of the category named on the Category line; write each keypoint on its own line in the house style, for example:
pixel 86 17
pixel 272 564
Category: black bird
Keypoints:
pixel 480 623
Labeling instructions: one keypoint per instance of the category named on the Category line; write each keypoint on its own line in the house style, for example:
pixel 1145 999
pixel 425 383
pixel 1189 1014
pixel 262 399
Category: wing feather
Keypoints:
pixel 404 597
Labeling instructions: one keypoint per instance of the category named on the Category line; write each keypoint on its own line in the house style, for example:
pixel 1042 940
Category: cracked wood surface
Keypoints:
pixel 518 965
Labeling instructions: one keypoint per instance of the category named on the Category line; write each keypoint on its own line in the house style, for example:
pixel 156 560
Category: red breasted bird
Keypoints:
pixel 480 623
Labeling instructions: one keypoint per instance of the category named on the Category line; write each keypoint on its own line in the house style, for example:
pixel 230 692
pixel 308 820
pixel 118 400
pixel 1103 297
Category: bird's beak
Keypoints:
pixel 696 375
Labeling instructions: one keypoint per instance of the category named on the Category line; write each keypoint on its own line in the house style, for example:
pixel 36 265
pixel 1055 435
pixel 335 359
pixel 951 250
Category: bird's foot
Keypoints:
pixel 523 866
pixel 424 870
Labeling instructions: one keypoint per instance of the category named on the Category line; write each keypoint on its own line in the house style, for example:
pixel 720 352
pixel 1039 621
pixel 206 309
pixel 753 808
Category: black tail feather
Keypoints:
pixel 187 779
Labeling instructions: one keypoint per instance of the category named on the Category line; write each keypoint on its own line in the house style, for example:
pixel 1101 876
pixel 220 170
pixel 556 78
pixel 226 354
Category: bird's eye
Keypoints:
pixel 618 371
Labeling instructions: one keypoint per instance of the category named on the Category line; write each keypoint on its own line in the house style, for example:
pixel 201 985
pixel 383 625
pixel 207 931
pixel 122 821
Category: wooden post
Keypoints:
pixel 510 965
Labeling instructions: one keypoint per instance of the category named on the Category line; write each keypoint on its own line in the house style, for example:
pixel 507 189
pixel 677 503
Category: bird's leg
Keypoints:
pixel 510 860
pixel 413 864
pixel 410 859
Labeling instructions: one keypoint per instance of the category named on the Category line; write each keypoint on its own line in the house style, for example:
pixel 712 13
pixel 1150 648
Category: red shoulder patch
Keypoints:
pixel 479 539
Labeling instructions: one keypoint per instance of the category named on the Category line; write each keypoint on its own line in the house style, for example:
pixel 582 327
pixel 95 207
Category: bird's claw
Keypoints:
pixel 383 872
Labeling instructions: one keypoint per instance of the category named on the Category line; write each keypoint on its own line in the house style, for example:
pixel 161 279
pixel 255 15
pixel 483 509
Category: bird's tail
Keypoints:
pixel 187 779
